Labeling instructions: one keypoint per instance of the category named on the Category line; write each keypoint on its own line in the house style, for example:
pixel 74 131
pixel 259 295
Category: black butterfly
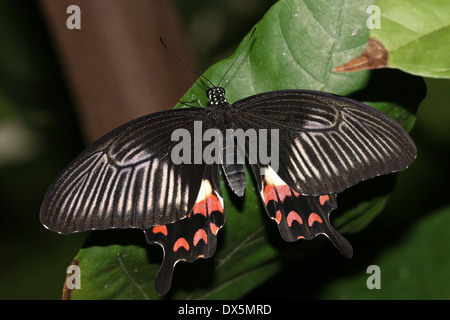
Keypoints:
pixel 127 179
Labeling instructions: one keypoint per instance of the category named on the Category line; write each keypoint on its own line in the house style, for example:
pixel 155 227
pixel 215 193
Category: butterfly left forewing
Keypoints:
pixel 327 143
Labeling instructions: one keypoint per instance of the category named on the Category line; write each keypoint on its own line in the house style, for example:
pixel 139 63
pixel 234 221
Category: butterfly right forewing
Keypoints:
pixel 127 178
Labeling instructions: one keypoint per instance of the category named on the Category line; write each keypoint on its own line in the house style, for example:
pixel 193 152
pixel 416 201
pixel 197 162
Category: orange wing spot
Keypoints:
pixel 213 204
pixel 313 218
pixel 278 217
pixel 181 242
pixel 200 256
pixel 276 193
pixel 214 228
pixel 160 229
pixel 200 208
pixel 296 194
pixel 293 216
pixel 300 237
pixel 323 199
pixel 200 235
pixel 283 192
pixel 269 194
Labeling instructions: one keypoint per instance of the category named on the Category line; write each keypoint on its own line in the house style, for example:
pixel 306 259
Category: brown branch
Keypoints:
pixel 115 64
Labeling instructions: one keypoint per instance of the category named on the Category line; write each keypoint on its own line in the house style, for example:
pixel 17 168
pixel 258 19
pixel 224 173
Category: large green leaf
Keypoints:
pixel 296 45
pixel 415 267
pixel 416 35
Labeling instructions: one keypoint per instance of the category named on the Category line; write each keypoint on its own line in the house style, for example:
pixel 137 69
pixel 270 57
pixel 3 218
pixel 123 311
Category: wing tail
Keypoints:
pixel 299 216
pixel 194 236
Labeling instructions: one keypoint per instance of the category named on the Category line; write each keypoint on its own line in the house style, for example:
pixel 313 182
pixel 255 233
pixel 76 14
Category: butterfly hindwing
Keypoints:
pixel 298 216
pixel 327 143
pixel 194 236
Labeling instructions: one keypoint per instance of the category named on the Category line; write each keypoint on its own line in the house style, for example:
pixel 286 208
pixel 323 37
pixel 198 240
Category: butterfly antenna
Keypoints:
pixel 234 61
pixel 185 63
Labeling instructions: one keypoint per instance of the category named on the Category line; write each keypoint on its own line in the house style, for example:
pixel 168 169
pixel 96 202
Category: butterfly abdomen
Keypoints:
pixel 236 177
pixel 233 167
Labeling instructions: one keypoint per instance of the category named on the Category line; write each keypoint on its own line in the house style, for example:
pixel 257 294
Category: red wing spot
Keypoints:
pixel 200 208
pixel 213 204
pixel 214 228
pixel 160 229
pixel 181 242
pixel 278 217
pixel 296 194
pixel 293 216
pixel 313 218
pixel 200 235
pixel 323 199
pixel 276 193
pixel 283 192
pixel 269 194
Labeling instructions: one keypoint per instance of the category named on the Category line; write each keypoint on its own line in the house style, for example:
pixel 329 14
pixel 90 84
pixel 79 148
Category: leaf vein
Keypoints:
pixel 122 266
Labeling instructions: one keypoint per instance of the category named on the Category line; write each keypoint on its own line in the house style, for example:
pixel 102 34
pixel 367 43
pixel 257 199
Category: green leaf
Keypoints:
pixel 415 267
pixel 115 272
pixel 296 46
pixel 416 35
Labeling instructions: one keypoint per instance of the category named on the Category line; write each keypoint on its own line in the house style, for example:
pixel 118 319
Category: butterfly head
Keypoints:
pixel 216 96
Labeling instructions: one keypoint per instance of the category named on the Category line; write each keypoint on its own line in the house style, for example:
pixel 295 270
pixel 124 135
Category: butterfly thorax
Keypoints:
pixel 218 106
pixel 216 97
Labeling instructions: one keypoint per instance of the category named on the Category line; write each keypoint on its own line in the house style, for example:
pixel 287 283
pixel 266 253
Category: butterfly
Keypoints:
pixel 128 179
